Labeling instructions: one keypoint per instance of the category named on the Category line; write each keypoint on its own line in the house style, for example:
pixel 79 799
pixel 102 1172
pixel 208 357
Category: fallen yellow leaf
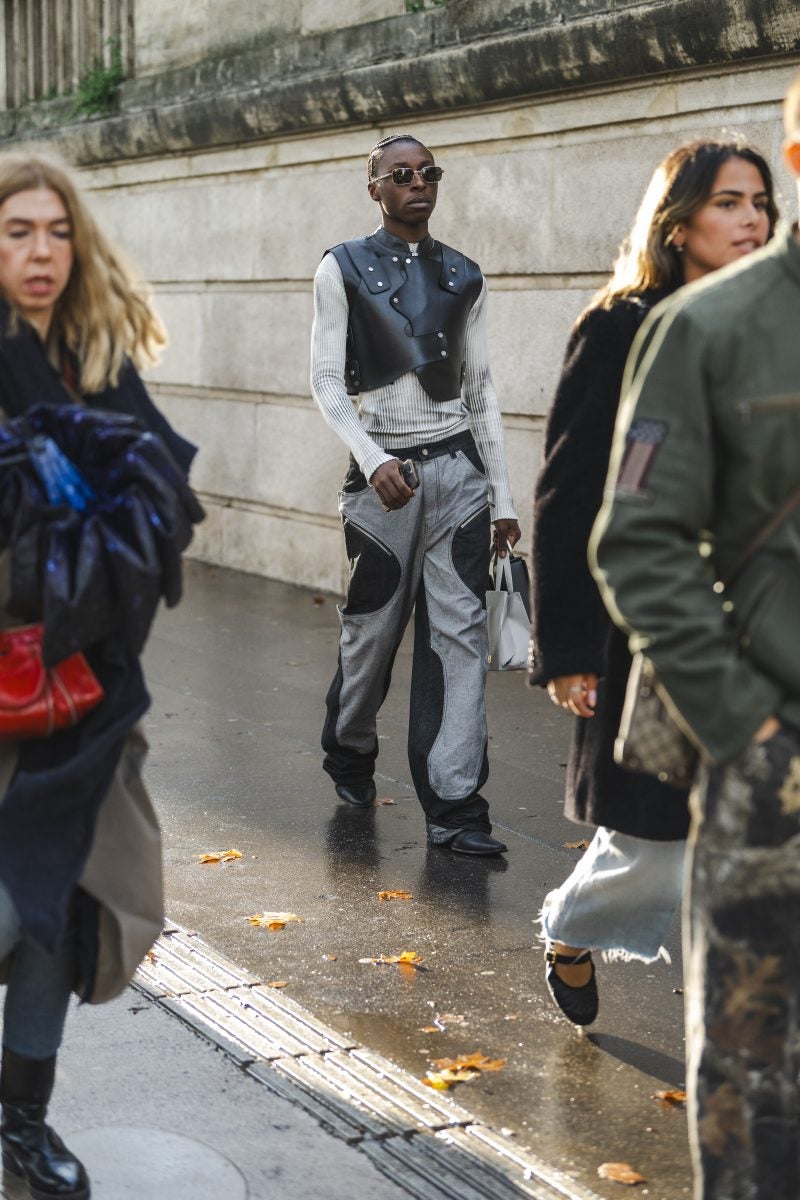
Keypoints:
pixel 396 894
pixel 217 856
pixel 384 800
pixel 406 958
pixel 436 1081
pixel 583 844
pixel 474 1062
pixel 674 1097
pixel 432 1029
pixel 620 1172
pixel 150 957
pixel 445 1079
pixel 459 1075
pixel 274 921
pixel 329 958
pixel 277 983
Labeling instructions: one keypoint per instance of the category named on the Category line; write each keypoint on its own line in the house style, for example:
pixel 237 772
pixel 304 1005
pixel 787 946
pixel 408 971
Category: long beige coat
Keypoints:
pixel 122 872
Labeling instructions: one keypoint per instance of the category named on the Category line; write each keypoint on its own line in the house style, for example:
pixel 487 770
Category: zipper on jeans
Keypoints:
pixel 748 408
pixel 471 518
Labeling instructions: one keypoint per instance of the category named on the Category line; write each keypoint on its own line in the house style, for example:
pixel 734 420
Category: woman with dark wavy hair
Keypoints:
pixel 708 203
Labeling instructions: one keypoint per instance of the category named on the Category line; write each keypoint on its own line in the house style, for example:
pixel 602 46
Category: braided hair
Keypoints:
pixel 376 153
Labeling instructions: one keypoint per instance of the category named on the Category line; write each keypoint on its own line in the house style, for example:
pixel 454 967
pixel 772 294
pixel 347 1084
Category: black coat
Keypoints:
pixel 573 634
pixel 48 811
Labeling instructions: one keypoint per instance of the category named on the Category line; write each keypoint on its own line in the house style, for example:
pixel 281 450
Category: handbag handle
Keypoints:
pixel 503 574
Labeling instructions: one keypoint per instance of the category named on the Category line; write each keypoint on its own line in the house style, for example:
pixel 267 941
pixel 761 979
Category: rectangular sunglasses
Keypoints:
pixel 403 176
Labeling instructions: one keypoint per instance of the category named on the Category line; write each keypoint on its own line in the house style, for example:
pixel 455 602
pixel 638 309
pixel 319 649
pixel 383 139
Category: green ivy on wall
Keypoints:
pixel 97 89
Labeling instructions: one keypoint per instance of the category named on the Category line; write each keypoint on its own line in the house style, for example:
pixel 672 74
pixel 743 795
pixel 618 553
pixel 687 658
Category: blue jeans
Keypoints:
pixel 38 987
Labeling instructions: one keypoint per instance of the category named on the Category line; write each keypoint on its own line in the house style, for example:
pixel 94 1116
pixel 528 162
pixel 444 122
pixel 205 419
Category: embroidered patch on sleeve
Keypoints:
pixel 641 448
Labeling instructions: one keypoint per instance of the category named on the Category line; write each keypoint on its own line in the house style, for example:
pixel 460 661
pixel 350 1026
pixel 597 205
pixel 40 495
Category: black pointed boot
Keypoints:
pixel 30 1147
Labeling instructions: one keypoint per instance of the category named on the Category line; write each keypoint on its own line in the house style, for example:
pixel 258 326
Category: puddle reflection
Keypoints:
pixel 350 840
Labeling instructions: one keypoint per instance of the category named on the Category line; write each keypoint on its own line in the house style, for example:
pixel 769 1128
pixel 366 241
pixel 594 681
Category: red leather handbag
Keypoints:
pixel 36 700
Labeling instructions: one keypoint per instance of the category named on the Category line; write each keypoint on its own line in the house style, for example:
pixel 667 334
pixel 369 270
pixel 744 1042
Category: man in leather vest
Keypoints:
pixel 400 322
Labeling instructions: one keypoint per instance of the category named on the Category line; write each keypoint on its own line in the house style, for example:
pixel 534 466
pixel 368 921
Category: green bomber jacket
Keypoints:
pixel 706 449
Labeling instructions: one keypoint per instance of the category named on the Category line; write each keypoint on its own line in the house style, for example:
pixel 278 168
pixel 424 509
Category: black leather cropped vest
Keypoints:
pixel 407 312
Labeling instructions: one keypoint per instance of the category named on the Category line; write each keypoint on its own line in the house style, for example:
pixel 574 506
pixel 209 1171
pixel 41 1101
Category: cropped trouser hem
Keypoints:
pixel 621 898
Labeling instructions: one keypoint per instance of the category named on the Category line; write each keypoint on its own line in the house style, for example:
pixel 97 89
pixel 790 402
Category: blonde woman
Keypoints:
pixel 708 204
pixel 80 867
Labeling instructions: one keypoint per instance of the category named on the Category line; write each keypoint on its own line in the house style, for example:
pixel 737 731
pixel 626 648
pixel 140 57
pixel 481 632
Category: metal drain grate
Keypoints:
pixel 430 1146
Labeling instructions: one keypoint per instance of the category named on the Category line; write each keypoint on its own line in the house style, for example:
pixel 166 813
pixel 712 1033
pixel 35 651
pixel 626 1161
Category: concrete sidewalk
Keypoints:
pixel 200 1083
pixel 157 1113
pixel 238 674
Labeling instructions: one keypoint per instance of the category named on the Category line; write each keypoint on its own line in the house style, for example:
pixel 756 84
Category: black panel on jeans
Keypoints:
pixel 374 572
pixel 470 552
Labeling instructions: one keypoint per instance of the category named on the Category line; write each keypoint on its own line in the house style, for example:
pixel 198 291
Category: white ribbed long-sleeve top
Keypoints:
pixel 402 413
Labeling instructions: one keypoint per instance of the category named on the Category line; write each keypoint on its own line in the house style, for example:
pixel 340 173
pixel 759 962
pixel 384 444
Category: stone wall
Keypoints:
pixel 227 180
pixel 186 31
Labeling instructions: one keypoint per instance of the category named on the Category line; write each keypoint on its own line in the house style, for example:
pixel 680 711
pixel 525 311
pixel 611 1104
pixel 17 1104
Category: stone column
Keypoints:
pixel 4 80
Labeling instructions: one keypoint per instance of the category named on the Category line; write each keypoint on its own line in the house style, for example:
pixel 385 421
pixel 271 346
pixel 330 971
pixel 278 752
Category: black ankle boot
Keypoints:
pixel 31 1148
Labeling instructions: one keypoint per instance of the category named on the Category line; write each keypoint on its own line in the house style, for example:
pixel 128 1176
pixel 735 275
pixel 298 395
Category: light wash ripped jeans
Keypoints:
pixel 621 897
pixel 38 987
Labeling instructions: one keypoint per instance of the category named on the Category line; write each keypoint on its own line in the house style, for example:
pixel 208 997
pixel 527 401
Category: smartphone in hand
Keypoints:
pixel 409 472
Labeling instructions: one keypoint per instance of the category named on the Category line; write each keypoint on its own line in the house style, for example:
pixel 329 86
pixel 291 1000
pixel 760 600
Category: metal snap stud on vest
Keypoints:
pixel 424 451
pixel 450 283
pixel 444 354
pixel 440 335
pixel 380 283
pixel 370 268
pixel 395 300
pixel 453 270
pixel 408 260
pixel 394 258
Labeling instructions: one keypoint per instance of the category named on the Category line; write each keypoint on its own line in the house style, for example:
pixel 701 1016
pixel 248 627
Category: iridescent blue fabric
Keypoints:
pixel 102 567
pixel 61 479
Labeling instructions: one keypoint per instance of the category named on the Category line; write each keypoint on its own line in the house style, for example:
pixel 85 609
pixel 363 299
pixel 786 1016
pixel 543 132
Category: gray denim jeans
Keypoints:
pixel 38 987
pixel 431 557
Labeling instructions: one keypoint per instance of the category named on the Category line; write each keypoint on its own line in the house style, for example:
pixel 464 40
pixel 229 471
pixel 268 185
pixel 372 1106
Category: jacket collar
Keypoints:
pixel 425 248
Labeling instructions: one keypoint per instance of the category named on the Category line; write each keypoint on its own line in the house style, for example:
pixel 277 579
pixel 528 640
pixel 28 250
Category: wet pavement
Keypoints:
pixel 238 674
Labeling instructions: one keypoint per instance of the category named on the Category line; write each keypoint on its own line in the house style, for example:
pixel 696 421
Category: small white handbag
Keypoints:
pixel 507 621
